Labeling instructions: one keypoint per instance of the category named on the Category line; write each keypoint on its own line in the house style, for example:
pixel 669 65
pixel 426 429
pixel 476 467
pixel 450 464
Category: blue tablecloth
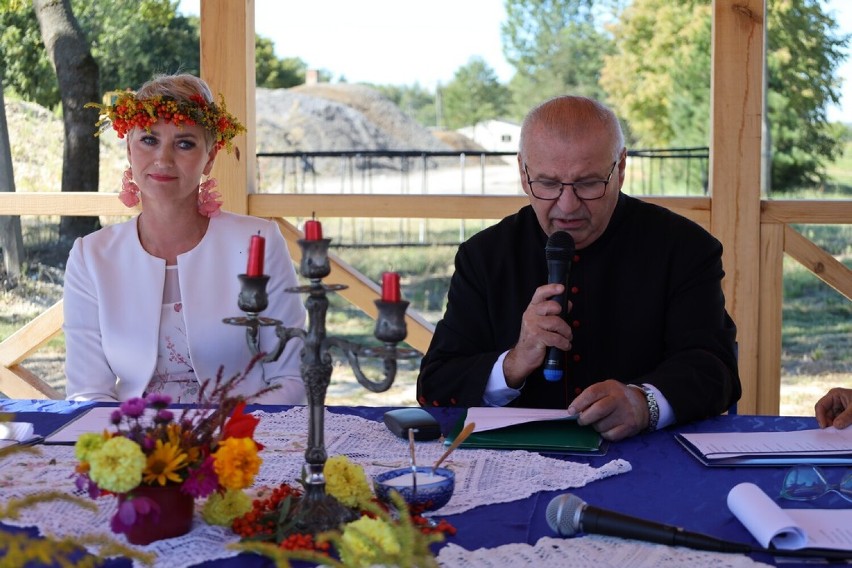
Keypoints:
pixel 667 485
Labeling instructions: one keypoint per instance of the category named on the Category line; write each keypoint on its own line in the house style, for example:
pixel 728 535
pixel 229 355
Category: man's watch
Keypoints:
pixel 653 407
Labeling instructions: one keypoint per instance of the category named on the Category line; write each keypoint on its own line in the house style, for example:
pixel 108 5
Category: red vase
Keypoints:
pixel 175 519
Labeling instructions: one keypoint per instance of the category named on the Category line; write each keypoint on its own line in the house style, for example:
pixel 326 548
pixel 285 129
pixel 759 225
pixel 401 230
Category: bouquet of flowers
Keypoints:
pixel 383 535
pixel 205 452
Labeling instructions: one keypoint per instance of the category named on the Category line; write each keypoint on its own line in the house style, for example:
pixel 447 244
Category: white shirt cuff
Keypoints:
pixel 497 392
pixel 667 417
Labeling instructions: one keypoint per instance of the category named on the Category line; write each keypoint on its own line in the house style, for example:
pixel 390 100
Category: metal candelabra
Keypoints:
pixel 319 511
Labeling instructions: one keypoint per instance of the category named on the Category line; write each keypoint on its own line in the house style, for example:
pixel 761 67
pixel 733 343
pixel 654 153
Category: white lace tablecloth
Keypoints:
pixel 482 477
pixel 590 552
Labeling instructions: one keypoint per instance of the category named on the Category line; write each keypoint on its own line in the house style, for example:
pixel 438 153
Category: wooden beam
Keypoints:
pixel 18 382
pixel 428 206
pixel 33 335
pixel 823 265
pixel 735 151
pixel 807 211
pixel 227 64
pixel 85 204
pixel 769 330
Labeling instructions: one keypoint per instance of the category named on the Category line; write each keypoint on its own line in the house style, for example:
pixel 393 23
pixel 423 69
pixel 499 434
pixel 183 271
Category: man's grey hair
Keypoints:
pixel 571 117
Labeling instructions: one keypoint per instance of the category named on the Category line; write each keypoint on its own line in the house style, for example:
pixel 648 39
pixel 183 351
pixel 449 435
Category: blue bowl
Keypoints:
pixel 433 492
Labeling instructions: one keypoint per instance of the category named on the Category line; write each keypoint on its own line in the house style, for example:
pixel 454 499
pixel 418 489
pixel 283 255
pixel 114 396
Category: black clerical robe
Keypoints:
pixel 647 308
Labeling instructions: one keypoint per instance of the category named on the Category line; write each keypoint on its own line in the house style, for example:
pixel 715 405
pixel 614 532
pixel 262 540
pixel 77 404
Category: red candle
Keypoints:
pixel 313 230
pixel 390 287
pixel 255 256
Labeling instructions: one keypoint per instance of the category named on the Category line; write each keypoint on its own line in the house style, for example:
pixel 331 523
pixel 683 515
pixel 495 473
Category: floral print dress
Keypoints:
pixel 174 375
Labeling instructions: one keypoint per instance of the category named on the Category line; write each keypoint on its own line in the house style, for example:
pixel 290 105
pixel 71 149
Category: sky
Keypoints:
pixel 402 42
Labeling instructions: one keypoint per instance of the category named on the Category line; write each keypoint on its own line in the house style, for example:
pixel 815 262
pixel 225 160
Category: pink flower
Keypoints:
pixel 202 481
pixel 132 510
pixel 84 483
pixel 133 407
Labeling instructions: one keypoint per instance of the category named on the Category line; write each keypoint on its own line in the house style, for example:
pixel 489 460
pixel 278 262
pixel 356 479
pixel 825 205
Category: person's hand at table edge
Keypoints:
pixel 835 408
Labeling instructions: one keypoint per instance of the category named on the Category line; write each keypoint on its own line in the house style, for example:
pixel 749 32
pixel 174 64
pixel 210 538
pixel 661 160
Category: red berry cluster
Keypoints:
pixel 261 522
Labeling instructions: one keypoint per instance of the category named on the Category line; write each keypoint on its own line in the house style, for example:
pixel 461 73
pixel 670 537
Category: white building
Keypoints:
pixel 494 135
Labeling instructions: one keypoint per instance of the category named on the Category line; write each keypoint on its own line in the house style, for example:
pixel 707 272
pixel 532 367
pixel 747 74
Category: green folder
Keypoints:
pixel 558 436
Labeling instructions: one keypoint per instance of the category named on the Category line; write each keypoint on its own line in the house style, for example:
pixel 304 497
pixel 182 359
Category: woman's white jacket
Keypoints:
pixel 114 294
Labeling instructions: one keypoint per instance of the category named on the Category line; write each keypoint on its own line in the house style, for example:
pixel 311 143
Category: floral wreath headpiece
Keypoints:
pixel 127 112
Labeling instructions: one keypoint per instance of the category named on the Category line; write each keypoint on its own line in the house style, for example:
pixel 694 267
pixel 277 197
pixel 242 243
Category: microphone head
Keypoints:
pixel 563 514
pixel 560 246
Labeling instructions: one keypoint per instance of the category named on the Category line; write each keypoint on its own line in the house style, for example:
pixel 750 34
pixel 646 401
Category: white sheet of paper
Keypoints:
pixel 828 441
pixel 493 417
pixel 12 433
pixel 97 419
pixel 789 529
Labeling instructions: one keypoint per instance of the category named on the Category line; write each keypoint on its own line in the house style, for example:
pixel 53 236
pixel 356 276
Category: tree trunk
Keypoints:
pixel 10 226
pixel 77 73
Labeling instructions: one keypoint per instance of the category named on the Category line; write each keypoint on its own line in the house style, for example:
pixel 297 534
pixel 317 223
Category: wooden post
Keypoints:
pixel 227 64
pixel 735 144
pixel 770 309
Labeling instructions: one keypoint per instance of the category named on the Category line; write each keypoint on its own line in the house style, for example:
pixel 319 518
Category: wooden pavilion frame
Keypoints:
pixel 755 233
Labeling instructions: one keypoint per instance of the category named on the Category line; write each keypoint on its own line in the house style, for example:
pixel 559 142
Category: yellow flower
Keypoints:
pixel 236 462
pixel 86 444
pixel 164 462
pixel 367 541
pixel 117 466
pixel 221 509
pixel 347 482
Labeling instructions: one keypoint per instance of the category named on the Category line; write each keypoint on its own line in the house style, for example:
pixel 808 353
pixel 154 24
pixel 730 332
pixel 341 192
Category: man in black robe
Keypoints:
pixel 648 341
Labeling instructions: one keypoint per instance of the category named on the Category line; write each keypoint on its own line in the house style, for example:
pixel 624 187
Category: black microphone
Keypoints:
pixel 559 253
pixel 568 514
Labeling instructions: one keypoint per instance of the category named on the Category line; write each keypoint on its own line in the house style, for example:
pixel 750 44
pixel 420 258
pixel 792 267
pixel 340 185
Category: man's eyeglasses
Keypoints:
pixel 551 189
pixel 808 482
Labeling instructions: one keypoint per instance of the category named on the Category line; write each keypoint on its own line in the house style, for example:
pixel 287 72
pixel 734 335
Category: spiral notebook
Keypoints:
pixel 533 429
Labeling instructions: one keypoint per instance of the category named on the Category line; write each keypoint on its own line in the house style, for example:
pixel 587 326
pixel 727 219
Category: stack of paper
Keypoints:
pixel 533 429
pixel 828 446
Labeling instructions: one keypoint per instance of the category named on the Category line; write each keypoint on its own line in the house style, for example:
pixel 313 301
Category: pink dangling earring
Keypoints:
pixel 208 200
pixel 129 194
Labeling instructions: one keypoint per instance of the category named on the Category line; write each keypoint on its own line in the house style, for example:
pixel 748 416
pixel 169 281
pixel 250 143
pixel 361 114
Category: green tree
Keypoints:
pixel 659 80
pixel 135 39
pixel 26 68
pixel 274 73
pixel 804 54
pixel 77 74
pixel 556 47
pixel 414 100
pixel 130 39
pixel 475 94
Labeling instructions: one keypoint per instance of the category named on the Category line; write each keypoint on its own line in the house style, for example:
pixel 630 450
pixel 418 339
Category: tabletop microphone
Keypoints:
pixel 559 252
pixel 568 514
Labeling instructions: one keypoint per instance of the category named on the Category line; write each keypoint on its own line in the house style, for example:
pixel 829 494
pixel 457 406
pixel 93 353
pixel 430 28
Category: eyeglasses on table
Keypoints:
pixel 809 482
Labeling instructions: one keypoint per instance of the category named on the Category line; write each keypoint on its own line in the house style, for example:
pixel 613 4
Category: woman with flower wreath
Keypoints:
pixel 145 299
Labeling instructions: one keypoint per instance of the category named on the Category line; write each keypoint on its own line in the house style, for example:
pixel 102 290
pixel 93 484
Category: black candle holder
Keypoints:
pixel 317 511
